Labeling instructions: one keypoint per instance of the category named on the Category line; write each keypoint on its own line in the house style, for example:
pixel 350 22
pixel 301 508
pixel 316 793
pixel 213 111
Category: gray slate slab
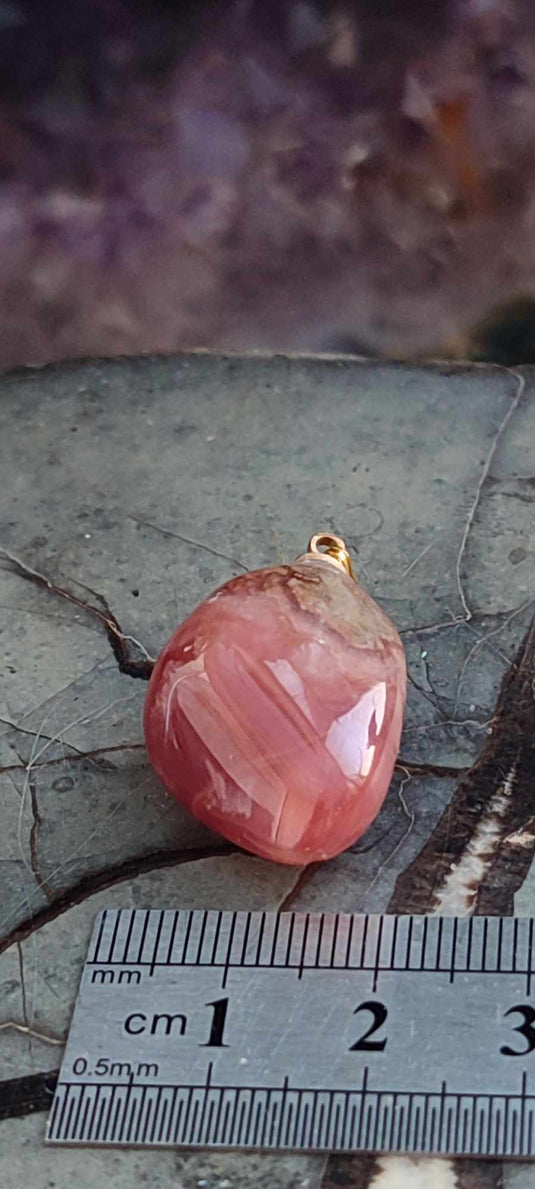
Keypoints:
pixel 151 482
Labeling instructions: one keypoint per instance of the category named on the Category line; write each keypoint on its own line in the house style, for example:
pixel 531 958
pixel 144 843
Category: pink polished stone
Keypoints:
pixel 274 712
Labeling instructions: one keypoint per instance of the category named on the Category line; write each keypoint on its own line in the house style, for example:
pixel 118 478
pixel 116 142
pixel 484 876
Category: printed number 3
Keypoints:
pixel 526 1029
pixel 379 1013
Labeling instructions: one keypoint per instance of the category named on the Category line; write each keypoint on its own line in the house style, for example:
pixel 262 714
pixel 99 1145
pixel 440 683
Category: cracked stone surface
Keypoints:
pixel 151 482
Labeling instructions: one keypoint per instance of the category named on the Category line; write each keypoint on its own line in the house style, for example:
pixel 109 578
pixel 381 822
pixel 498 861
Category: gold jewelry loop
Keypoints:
pixel 328 545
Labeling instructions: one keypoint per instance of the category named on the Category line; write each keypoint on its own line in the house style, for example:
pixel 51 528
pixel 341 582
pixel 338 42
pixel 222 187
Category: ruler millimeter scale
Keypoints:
pixel 303 1031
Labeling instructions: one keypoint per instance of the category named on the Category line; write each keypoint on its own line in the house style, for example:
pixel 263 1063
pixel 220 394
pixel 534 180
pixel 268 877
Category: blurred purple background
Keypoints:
pixel 276 175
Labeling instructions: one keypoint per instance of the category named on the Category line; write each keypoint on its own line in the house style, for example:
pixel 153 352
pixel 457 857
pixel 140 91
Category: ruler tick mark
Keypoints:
pixel 157 942
pixel 176 916
pixel 100 933
pixel 363 943
pixel 484 944
pixel 350 940
pixel 201 937
pixel 114 935
pixel 209 1119
pixel 189 927
pixel 167 1107
pixel 377 962
pixel 143 935
pixel 469 943
pixel 245 939
pixel 303 946
pixel 530 957
pixel 129 935
pixel 76 1117
pixel 393 945
pixel 217 931
pixel 453 949
pixel 230 940
pixel 276 927
pixel 192 1133
pixel 290 938
pixel 218 1116
pixel 260 939
pixel 334 940
pixel 439 943
pixel 319 941
pixel 407 965
pixel 177 1119
pixel 424 943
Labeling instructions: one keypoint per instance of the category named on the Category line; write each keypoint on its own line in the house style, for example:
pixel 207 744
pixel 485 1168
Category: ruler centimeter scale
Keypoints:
pixel 303 1031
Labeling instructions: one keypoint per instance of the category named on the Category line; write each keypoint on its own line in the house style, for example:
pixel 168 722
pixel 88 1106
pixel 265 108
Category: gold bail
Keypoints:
pixel 327 545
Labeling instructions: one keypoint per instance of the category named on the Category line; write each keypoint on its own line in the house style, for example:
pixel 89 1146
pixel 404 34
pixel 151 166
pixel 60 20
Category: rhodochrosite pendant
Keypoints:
pixel 274 712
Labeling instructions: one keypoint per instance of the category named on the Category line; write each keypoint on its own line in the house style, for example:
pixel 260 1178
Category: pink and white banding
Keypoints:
pixel 274 712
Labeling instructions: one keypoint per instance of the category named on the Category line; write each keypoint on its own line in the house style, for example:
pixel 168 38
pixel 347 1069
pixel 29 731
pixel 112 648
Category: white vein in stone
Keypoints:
pixel 457 895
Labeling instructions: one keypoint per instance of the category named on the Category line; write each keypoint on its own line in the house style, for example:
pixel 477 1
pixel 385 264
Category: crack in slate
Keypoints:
pixel 23 987
pixel 27 1029
pixel 120 643
pixel 424 769
pixel 26 1095
pixel 426 629
pixel 167 532
pixel 34 853
pixel 510 745
pixel 101 880
pixel 302 880
pixel 521 385
pixel 95 756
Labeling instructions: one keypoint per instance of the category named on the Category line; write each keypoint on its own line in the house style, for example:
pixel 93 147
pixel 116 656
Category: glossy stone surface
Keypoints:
pixel 274 712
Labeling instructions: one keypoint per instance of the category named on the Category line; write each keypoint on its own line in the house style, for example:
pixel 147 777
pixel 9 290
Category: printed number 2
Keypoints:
pixel 379 1013
pixel 527 1029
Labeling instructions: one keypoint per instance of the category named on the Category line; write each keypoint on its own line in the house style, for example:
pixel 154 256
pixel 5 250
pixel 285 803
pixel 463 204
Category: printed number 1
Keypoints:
pixel 215 1040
